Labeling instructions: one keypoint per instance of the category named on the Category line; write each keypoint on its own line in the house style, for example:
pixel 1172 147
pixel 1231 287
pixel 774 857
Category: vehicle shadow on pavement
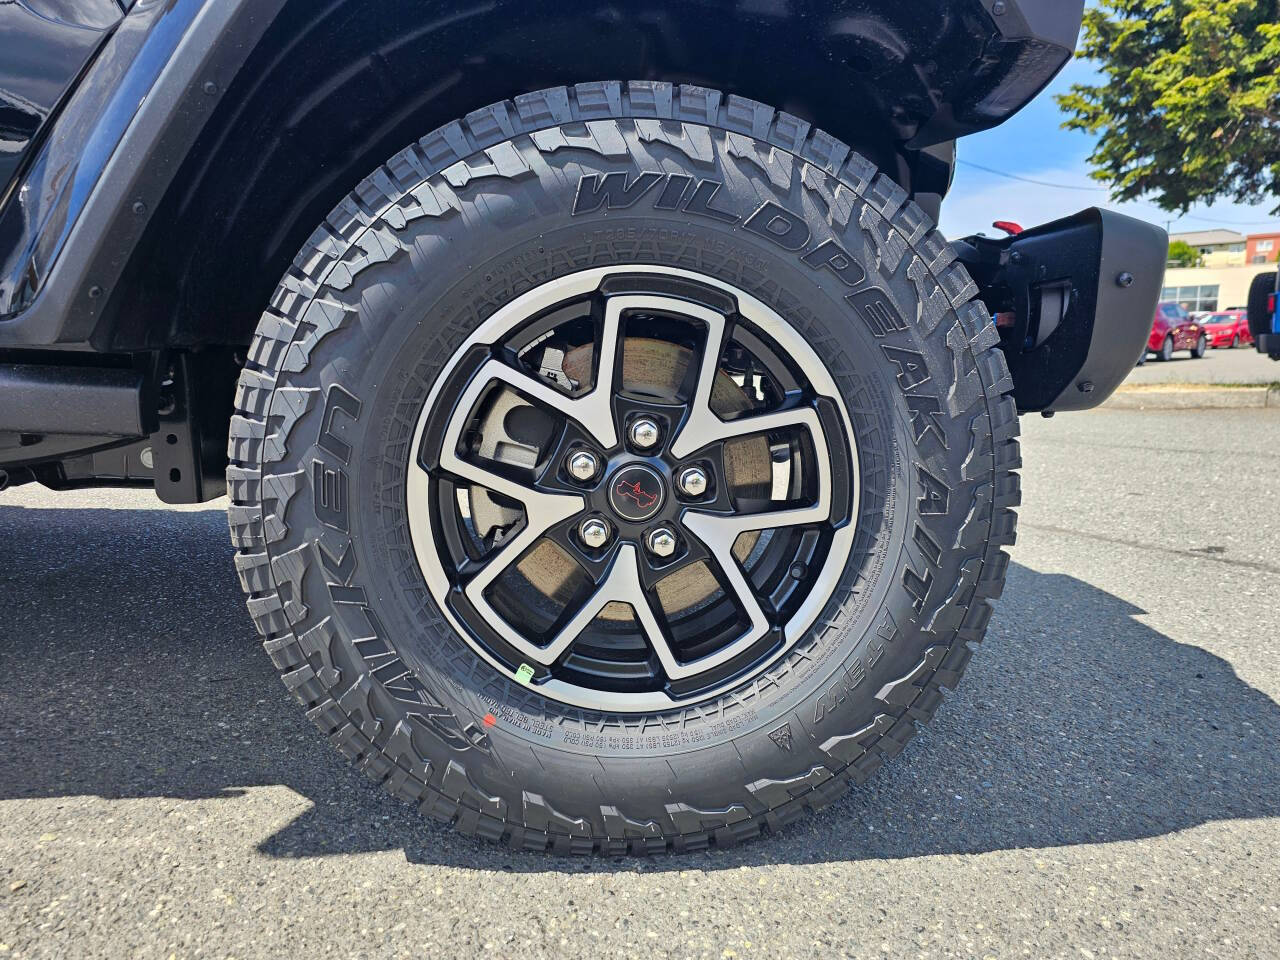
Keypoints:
pixel 131 670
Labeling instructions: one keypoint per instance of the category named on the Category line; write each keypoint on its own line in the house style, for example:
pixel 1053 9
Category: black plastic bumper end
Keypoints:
pixel 1076 298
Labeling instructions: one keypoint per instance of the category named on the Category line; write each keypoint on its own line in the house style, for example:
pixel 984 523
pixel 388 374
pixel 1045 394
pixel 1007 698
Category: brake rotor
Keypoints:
pixel 654 368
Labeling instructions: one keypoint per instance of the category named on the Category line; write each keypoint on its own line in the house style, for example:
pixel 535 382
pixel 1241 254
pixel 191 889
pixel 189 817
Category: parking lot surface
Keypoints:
pixel 1241 365
pixel 1104 782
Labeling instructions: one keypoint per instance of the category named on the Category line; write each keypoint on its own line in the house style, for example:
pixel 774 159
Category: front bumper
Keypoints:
pixel 1082 291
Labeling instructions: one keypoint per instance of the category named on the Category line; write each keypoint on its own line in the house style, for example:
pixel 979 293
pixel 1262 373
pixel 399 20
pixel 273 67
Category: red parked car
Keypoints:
pixel 1228 328
pixel 1173 329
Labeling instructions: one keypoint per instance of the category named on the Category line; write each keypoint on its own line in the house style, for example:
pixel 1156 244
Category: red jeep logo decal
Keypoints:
pixel 636 493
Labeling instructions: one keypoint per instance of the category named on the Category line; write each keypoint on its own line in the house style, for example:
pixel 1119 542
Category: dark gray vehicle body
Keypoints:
pixel 176 153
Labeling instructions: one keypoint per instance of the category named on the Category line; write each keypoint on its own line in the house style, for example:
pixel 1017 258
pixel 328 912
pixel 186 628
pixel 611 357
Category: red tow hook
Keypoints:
pixel 1007 318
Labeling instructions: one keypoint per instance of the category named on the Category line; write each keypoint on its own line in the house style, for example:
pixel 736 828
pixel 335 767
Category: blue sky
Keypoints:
pixel 1033 145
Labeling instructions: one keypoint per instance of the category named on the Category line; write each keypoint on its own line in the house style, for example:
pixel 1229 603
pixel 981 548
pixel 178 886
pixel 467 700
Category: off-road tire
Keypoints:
pixel 459 223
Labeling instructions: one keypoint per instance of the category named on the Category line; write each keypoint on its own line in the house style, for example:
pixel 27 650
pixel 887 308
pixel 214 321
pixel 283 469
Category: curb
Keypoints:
pixel 1206 397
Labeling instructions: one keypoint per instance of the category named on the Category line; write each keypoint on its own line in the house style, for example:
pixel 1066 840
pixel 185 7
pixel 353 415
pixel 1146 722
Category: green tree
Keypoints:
pixel 1183 254
pixel 1188 109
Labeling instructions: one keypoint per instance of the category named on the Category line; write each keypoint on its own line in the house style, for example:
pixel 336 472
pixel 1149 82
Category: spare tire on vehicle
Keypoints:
pixel 1260 289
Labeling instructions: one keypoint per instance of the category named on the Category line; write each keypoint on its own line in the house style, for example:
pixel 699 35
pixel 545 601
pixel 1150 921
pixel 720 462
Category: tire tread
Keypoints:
pixel 259 431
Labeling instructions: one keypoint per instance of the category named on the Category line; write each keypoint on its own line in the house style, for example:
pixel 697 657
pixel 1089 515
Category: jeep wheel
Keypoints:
pixel 623 468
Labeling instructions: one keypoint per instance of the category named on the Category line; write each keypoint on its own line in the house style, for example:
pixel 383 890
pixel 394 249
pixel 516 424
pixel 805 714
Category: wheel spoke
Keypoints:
pixel 611 333
pixel 537 503
pixel 540 516
pixel 805 417
pixel 542 510
pixel 718 534
pixel 607 355
pixel 745 596
pixel 735 583
pixel 592 411
pixel 621 584
pixel 702 427
pixel 536 524
pixel 534 501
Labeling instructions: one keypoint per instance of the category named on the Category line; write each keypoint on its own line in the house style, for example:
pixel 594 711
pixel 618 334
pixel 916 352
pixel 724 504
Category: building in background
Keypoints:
pixel 1218 248
pixel 1206 289
pixel 1261 248
pixel 1230 261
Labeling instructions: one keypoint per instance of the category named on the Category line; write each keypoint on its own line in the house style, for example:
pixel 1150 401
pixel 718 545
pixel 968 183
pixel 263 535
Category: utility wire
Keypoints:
pixel 1227 223
pixel 1075 186
pixel 1038 183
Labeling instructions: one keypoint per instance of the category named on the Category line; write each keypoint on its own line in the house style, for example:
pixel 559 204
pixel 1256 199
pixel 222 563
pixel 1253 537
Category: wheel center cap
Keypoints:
pixel 636 493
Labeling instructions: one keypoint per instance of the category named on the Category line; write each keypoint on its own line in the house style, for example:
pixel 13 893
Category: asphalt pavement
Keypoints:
pixel 1238 366
pixel 1104 784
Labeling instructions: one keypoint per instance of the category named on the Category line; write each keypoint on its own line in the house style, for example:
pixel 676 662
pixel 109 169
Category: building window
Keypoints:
pixel 1198 299
pixel 1169 293
pixel 1236 248
pixel 1264 245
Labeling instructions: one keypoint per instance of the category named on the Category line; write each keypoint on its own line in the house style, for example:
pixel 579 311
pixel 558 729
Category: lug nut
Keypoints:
pixel 644 433
pixel 583 465
pixel 661 542
pixel 693 482
pixel 594 532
